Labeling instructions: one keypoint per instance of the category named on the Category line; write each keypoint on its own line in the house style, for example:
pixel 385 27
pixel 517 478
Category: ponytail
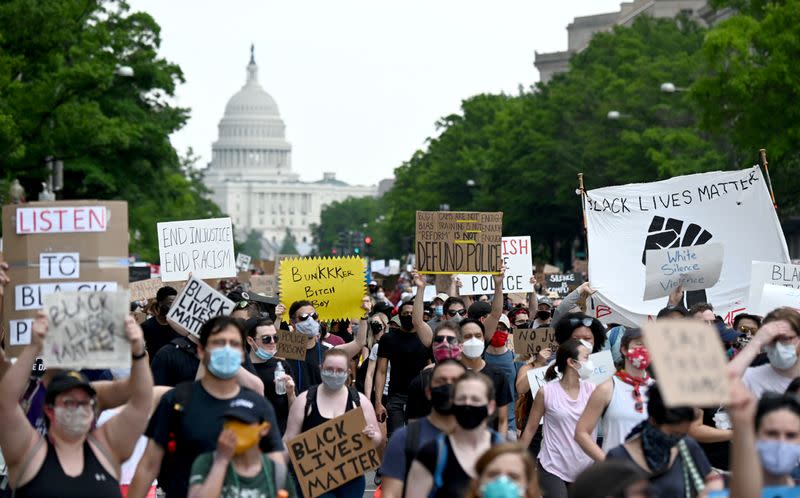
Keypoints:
pixel 566 351
pixel 550 373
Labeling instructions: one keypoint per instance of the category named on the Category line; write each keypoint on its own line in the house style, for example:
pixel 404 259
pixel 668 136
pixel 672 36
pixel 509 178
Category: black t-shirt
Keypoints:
pixel 418 405
pixel 455 481
pixel 502 389
pixel 200 424
pixel 407 357
pixel 156 336
pixel 266 371
pixel 178 362
pixel 306 373
pixel 718 453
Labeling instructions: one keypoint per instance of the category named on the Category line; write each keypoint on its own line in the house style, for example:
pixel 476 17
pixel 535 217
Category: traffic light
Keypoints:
pixel 333 251
pixel 368 240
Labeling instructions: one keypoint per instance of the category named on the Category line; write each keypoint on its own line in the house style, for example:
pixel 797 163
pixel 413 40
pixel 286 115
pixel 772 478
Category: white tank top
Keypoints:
pixel 621 415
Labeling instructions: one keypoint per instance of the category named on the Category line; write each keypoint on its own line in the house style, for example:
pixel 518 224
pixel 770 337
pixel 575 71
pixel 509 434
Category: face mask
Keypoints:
pixel 406 323
pixel 657 445
pixel 639 357
pixel 247 435
pixel 473 348
pixel 263 354
pixel 163 309
pixel 469 417
pixel 224 362
pixel 501 487
pixel 376 327
pixel 441 399
pixel 777 457
pixel 543 315
pixel 445 351
pixel 380 296
pixel 499 338
pixel 781 356
pixel 333 381
pixel 438 310
pixel 586 369
pixel 308 326
pixel 75 422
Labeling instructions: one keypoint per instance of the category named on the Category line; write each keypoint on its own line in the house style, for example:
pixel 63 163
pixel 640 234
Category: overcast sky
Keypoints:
pixel 360 84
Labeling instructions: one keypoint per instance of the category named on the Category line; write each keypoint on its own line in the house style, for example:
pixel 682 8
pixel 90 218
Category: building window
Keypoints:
pixel 304 240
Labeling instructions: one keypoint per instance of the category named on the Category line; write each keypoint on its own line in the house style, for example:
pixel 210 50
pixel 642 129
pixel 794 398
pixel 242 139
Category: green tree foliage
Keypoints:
pixel 61 95
pixel 289 245
pixel 353 215
pixel 252 244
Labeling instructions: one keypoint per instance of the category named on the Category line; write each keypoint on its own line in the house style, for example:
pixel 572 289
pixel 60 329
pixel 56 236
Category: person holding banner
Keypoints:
pixel 74 460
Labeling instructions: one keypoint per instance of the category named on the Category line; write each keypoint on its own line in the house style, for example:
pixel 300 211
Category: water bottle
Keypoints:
pixel 280 384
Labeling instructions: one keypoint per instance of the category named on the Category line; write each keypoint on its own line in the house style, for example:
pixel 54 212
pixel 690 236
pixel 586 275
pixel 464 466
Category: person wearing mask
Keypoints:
pixel 437 306
pixel 406 441
pixel 189 418
pixel 454 309
pixel 326 401
pixel 489 314
pixel 505 471
pixel 660 446
pixel 262 337
pixel 445 467
pixel 75 459
pixel 621 400
pixel 237 467
pixel 779 337
pixel 499 356
pixel 157 331
pixel 378 324
pixel 445 347
pixel 561 404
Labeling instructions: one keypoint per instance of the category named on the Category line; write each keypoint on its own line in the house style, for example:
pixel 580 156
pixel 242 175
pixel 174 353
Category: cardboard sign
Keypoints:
pixel 777 296
pixel 531 341
pixel 563 283
pixel 332 454
pixel 536 379
pixel 518 259
pixel 334 286
pixel 243 261
pixel 203 248
pixel 291 345
pixel 87 330
pixel 195 304
pixel 693 268
pixel 263 284
pixel 689 361
pixel 61 219
pixel 147 289
pixel 458 242
pixel 763 273
pixel 243 277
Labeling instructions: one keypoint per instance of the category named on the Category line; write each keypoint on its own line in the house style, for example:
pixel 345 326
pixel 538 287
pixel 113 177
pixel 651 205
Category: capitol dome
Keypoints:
pixel 252 100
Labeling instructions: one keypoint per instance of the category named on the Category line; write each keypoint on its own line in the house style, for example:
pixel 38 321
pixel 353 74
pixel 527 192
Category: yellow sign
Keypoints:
pixel 334 286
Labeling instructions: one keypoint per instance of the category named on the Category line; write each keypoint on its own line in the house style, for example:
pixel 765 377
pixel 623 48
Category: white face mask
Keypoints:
pixel 473 348
pixel 75 422
pixel 586 369
pixel 781 356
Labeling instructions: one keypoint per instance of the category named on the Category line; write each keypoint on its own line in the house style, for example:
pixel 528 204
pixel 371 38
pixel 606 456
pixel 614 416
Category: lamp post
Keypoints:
pixel 669 87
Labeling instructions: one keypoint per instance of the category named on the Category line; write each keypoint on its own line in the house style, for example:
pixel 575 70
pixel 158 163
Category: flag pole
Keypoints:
pixel 762 157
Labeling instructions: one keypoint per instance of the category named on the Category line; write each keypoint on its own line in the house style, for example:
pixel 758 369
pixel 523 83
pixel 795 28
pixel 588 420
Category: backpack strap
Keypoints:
pixel 183 394
pixel 311 399
pixel 441 463
pixel 102 448
pixel 412 442
pixel 353 399
pixel 27 462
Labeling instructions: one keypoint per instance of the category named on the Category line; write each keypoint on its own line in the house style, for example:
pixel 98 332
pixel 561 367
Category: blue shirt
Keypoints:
pixel 505 363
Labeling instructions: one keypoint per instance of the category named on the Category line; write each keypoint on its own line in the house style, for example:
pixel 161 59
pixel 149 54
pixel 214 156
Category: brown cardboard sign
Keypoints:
pixel 689 361
pixel 531 341
pixel 332 454
pixel 458 242
pixel 243 277
pixel 264 284
pixel 292 345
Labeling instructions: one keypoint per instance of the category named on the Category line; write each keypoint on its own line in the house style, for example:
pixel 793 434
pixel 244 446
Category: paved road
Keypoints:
pixel 370 476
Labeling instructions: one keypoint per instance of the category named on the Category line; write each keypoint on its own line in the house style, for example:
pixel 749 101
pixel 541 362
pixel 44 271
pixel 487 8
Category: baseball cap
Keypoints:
pixel 479 309
pixel 64 381
pixel 553 295
pixel 372 282
pixel 504 320
pixel 608 478
pixel 442 296
pixel 247 407
pixel 546 301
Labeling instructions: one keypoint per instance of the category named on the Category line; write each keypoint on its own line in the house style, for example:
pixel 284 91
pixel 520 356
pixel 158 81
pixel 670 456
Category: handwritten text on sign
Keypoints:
pixel 203 248
pixel 332 454
pixel 62 219
pixel 196 304
pixel 516 253
pixel 693 268
pixel 87 330
pixel 531 341
pixel 334 286
pixel 292 345
pixel 689 362
pixel 763 273
pixel 31 296
pixel 458 242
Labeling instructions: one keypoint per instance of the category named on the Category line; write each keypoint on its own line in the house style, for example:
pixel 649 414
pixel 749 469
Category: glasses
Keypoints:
pixel 747 330
pixel 461 312
pixel 306 316
pixel 74 403
pixel 586 322
pixel 269 339
pixel 334 371
pixel 241 305
pixel 449 338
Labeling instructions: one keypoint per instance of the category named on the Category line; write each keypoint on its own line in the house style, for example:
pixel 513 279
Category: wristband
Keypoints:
pixel 139 356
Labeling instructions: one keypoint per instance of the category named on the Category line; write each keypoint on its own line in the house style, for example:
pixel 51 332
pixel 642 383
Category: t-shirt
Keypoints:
pixel 455 481
pixel 407 357
pixel 373 355
pixel 670 483
pixel 418 405
pixel 306 373
pixel 200 424
pixel 502 391
pixel 763 379
pixel 505 363
pixel 261 485
pixel 266 372
pixel 394 458
pixel 156 336
pixel 178 362
pixel 718 453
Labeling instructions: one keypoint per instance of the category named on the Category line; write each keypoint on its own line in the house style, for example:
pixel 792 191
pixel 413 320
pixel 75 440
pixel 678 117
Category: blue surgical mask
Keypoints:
pixel 225 362
pixel 777 457
pixel 308 326
pixel 263 354
pixel 438 310
pixel 501 487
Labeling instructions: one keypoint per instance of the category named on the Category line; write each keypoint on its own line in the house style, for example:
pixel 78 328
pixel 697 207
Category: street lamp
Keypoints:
pixel 613 115
pixel 124 71
pixel 669 87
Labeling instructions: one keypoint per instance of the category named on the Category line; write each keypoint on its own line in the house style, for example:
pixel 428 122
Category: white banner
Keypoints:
pixel 623 222
pixel 518 258
pixel 777 296
pixel 693 268
pixel 203 248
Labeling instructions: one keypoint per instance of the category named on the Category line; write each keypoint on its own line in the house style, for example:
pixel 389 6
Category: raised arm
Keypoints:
pixel 766 335
pixel 353 348
pixel 747 479
pixel 598 401
pixel 424 331
pixel 533 301
pixel 571 301
pixel 490 324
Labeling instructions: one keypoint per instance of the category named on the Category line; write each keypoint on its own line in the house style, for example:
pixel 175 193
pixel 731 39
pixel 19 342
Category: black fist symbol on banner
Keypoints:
pixel 669 233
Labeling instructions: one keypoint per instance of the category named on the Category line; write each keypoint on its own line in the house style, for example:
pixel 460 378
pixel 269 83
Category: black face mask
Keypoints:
pixel 441 399
pixel 407 323
pixel 542 315
pixel 163 310
pixel 657 445
pixel 468 416
pixel 376 327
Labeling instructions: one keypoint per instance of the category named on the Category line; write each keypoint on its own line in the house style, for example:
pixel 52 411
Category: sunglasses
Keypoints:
pixel 306 316
pixel 586 322
pixel 449 338
pixel 269 339
pixel 241 305
pixel 461 312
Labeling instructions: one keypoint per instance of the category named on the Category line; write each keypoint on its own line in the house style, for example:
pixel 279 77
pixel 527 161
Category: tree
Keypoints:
pixel 289 245
pixel 354 214
pixel 252 244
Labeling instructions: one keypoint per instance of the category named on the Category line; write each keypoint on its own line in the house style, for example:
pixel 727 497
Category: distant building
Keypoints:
pixel 250 174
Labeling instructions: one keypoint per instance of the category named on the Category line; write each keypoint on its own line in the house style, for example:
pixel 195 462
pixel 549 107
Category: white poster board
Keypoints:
pixel 778 296
pixel 517 255
pixel 196 304
pixel 604 369
pixel 693 268
pixel 764 273
pixel 203 248
pixel 430 293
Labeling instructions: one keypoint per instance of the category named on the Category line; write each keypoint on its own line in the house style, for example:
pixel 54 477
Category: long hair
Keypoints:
pixel 531 491
pixel 567 351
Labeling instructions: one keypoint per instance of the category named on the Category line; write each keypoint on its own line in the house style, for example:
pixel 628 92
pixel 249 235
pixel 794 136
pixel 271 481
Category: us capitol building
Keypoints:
pixel 250 174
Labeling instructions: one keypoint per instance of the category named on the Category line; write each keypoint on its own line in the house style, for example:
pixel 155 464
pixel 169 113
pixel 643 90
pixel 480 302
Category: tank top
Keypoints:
pixel 560 454
pixel 313 417
pixel 621 415
pixel 52 482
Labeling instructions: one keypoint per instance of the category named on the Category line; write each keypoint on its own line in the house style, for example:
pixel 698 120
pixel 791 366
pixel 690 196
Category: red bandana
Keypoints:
pixel 636 382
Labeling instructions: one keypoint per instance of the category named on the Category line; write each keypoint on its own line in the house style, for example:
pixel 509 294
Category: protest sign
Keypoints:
pixel 693 268
pixel 531 341
pixel 604 367
pixel 334 286
pixel 777 296
pixel 689 362
pixel 517 257
pixel 147 289
pixel 563 283
pixel 458 242
pixel 379 266
pixel 536 379
pixel 429 294
pixel 202 248
pixel 242 261
pixel 624 222
pixel 87 330
pixel 762 273
pixel 263 284
pixel 243 277
pixel 394 266
pixel 196 303
pixel 292 345
pixel 332 454
pixel 60 246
